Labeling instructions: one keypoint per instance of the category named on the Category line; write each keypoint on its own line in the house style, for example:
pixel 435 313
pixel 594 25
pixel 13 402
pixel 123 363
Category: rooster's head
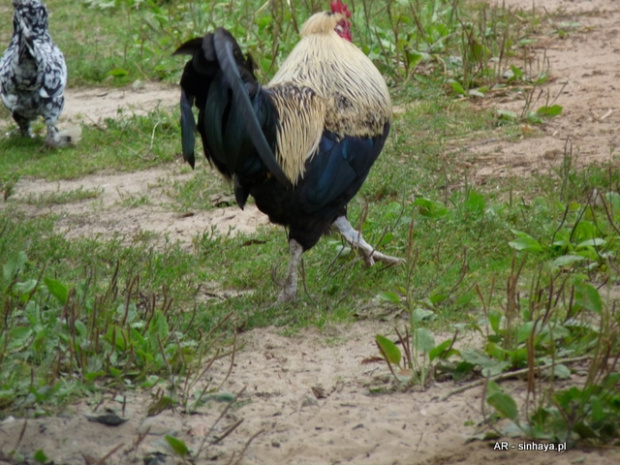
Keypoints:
pixel 343 28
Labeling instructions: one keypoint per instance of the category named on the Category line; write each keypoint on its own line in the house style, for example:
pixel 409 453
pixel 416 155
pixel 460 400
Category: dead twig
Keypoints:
pixel 245 448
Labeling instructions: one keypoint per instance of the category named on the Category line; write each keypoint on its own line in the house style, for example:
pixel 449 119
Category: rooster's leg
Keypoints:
pixel 290 283
pixel 356 240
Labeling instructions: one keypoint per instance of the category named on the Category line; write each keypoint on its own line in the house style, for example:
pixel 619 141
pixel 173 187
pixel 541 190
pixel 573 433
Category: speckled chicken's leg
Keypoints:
pixel 290 283
pixel 51 139
pixel 24 125
pixel 59 139
pixel 356 240
pixel 52 109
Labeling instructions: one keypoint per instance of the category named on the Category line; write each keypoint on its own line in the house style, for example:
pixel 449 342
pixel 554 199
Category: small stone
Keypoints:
pixel 319 391
pixel 137 84
pixel 309 402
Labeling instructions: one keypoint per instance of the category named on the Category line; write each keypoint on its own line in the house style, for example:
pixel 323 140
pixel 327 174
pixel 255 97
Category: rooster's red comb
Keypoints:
pixel 339 7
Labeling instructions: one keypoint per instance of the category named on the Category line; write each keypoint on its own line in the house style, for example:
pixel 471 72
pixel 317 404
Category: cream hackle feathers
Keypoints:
pixel 337 88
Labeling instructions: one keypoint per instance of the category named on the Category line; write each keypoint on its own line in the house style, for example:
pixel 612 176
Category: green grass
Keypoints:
pixel 151 305
pixel 59 198
pixel 124 144
pixel 132 40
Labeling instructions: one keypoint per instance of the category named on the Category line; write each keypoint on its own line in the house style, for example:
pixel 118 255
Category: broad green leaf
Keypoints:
pixel 415 58
pixel 555 330
pixel 440 351
pixel 475 93
pixel 177 446
pixel 495 320
pixel 456 87
pixel 424 340
pixel 475 202
pixel 566 261
pixel 13 266
pixel 151 380
pixel 159 406
pixel 430 208
pixel 80 328
pixel 158 327
pixel 496 352
pixel 19 337
pixel 585 230
pixel 598 410
pixel 506 114
pixel 588 297
pixel 117 334
pixel 57 289
pixel 93 375
pixel 614 199
pixel 436 297
pixel 420 314
pixel 118 72
pixel 389 350
pixel 504 404
pixel 568 397
pixel 585 431
pixel 561 371
pixel 596 242
pixel 525 330
pixel 518 357
pixel 476 358
pixel 489 366
pixel 525 242
pixel 549 111
pixel 534 118
pixel 492 388
pixel 41 340
pixel 40 456
pixel 517 73
pixel 510 429
pixel 391 297
pixel 138 340
pixel 25 287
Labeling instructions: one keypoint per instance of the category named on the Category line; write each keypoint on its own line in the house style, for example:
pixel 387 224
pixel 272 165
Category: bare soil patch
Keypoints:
pixel 111 213
pixel 584 71
pixel 307 397
pixel 96 105
pixel 344 423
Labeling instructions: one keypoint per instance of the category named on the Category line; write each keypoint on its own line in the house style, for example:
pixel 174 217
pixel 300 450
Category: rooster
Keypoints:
pixel 303 144
pixel 33 73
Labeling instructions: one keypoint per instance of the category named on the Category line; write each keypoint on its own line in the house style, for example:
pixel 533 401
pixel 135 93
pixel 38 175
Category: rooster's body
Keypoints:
pixel 302 145
pixel 33 73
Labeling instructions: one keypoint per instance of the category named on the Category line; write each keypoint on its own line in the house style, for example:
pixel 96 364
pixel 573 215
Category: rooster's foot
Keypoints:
pixel 355 239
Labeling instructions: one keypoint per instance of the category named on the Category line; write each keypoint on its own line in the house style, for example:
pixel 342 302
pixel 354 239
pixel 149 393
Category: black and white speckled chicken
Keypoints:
pixel 33 73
